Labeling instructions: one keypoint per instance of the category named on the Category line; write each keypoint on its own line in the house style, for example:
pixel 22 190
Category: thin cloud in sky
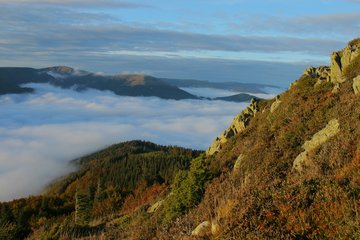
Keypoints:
pixel 80 3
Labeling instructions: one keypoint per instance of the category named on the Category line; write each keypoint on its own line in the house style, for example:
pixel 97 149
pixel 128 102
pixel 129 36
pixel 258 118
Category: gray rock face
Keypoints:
pixel 239 123
pixel 322 73
pixel 319 138
pixel 340 60
pixel 356 85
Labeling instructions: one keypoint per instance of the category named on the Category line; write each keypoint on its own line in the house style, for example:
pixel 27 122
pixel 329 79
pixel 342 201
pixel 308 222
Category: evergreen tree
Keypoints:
pixel 100 191
pixel 6 215
pixel 82 208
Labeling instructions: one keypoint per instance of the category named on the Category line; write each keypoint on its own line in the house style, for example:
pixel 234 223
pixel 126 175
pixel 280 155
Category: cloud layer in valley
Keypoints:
pixel 41 132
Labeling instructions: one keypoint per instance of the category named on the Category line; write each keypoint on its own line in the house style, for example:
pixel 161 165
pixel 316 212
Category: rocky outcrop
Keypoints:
pixel 239 123
pixel 321 73
pixel 341 59
pixel 356 85
pixel 303 160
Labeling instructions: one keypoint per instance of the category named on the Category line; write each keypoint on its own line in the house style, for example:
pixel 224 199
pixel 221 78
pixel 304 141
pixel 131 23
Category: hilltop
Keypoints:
pixel 286 168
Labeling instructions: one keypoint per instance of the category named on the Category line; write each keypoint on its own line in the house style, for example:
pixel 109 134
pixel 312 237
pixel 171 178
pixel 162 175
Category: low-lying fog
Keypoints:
pixel 41 132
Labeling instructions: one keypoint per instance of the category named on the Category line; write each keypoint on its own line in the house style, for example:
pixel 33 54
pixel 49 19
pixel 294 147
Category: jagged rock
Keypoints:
pixel 310 71
pixel 275 104
pixel 153 208
pixel 321 73
pixel 336 67
pixel 239 123
pixel 356 85
pixel 341 59
pixel 202 230
pixel 319 138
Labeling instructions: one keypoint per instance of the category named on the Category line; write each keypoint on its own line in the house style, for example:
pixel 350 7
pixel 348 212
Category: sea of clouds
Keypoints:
pixel 41 132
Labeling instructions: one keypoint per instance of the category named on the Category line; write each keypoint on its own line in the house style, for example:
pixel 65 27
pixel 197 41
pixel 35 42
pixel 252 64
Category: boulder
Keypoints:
pixel 319 138
pixel 331 129
pixel 356 85
pixel 202 230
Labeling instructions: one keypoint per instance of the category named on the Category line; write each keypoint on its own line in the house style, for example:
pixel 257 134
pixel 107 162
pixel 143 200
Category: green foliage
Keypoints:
pixel 7 231
pixel 6 215
pixel 188 189
pixel 82 208
pixel 123 166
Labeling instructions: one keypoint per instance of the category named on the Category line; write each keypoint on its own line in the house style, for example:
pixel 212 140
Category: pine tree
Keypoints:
pixel 6 215
pixel 100 191
pixel 82 208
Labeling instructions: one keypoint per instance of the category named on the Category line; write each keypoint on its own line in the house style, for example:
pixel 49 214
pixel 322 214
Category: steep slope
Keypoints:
pixel 289 167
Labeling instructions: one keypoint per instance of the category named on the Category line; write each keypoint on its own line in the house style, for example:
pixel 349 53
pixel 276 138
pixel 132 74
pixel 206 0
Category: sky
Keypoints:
pixel 264 41
pixel 41 132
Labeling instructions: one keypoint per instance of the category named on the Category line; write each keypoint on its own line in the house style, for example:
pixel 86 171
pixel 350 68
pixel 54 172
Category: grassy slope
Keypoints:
pixel 266 198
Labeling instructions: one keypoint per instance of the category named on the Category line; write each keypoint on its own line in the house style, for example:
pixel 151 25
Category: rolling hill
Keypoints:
pixel 14 80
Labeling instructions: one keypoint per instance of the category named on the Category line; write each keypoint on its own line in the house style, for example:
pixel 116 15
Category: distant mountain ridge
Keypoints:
pixel 12 79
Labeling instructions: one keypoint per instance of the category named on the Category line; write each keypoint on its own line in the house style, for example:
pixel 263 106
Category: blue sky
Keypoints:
pixel 268 41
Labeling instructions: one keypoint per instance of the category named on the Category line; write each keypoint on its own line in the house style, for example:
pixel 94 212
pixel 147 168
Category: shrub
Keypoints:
pixel 188 189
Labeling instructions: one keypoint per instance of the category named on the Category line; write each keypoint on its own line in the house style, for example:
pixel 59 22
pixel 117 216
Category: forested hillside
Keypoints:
pixel 110 182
